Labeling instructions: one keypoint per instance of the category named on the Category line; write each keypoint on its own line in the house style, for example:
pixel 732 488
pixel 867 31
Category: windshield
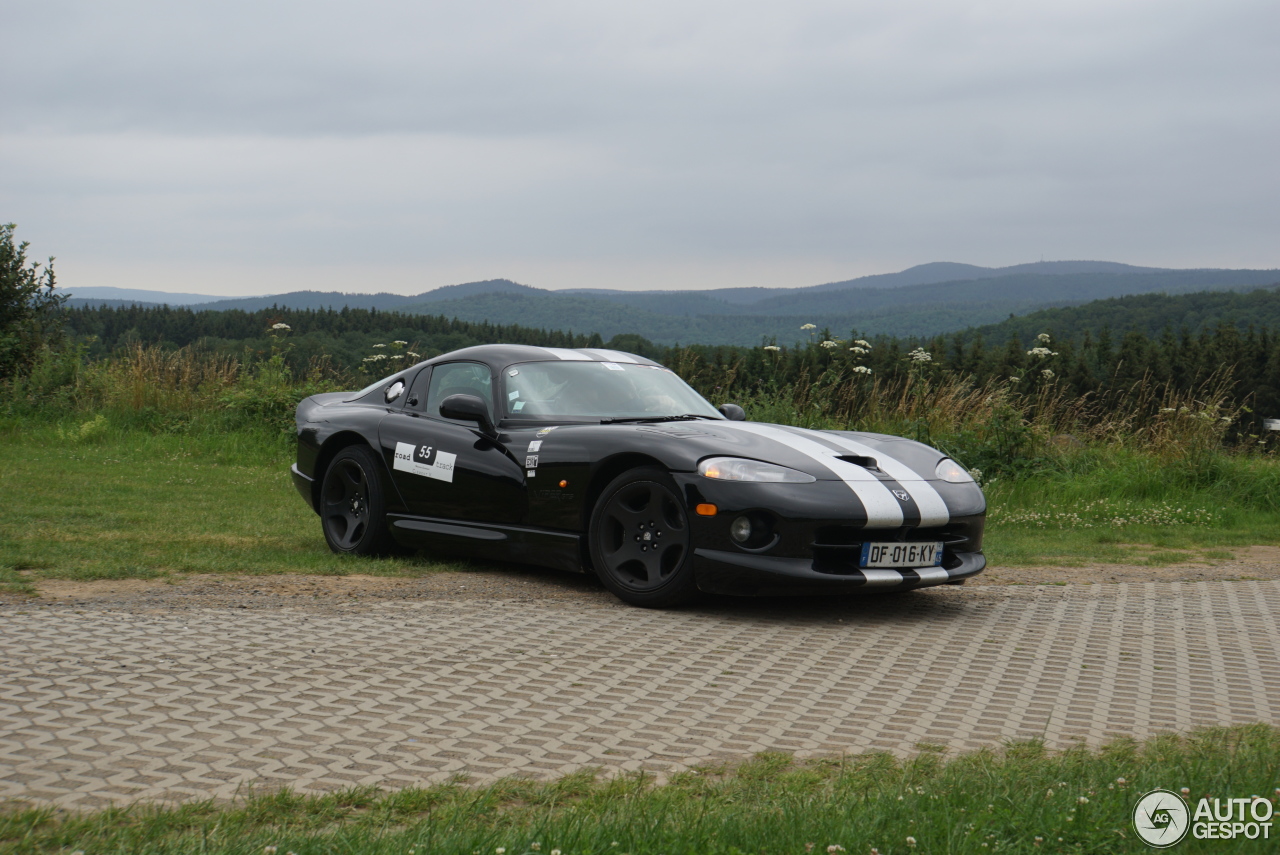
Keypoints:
pixel 546 390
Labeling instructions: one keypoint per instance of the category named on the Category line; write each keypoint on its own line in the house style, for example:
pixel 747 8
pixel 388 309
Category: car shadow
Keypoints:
pixel 930 604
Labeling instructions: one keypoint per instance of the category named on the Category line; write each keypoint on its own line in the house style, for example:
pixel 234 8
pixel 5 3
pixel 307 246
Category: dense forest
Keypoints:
pixel 1147 313
pixel 345 336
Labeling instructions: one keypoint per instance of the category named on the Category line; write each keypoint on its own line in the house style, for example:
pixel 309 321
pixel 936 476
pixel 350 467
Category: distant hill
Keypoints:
pixel 107 296
pixel 922 274
pixel 909 303
pixel 910 310
pixel 1149 314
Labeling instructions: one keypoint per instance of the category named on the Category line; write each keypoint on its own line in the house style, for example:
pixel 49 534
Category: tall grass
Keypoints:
pixel 997 427
pixel 168 390
pixel 1003 429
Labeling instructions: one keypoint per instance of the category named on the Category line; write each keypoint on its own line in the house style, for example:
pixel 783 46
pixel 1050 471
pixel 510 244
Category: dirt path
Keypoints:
pixel 529 584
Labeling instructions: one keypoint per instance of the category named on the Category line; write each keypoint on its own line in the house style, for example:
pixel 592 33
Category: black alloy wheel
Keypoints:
pixel 640 542
pixel 352 504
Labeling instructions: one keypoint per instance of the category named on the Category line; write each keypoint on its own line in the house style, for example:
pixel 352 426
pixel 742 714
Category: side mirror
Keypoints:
pixel 732 412
pixel 468 408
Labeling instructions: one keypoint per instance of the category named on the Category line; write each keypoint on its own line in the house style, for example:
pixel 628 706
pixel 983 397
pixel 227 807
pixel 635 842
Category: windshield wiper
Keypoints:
pixel 646 419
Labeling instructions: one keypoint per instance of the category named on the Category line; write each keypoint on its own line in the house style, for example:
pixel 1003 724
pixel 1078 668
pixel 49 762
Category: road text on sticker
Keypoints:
pixel 425 460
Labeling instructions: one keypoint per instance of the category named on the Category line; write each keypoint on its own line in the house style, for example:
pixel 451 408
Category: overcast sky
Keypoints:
pixel 258 147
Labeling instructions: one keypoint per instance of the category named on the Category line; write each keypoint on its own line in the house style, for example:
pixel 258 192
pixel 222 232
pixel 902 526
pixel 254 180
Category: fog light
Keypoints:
pixel 740 529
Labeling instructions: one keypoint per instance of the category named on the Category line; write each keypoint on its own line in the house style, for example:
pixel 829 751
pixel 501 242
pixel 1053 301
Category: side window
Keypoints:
pixel 417 397
pixel 459 378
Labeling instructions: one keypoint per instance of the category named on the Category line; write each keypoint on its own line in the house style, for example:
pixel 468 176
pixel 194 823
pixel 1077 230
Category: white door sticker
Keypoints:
pixel 425 460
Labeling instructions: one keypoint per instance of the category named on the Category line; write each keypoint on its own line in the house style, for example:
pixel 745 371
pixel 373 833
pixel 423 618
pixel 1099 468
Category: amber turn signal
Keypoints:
pixel 564 484
pixel 706 510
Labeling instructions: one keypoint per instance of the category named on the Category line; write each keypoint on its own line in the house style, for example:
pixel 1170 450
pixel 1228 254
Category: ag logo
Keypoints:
pixel 903 495
pixel 1161 818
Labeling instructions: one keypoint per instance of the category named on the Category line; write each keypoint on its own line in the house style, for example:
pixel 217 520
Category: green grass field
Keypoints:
pixel 1021 799
pixel 131 504
pixel 113 503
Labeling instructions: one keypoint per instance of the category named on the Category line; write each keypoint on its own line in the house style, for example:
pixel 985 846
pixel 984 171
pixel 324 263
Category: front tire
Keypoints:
pixel 640 542
pixel 353 509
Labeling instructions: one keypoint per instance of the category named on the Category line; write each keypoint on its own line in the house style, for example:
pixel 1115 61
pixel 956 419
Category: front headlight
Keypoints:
pixel 741 469
pixel 950 471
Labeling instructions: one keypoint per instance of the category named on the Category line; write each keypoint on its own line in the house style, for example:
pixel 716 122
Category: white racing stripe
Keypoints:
pixel 883 509
pixel 565 353
pixel 611 355
pixel 933 510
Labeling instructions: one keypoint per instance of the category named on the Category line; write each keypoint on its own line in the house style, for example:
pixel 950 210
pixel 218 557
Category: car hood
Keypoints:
pixel 825 454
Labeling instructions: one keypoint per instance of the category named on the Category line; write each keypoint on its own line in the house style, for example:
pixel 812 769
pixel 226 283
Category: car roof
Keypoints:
pixel 499 356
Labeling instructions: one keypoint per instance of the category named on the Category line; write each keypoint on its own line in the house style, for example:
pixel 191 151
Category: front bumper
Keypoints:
pixel 813 539
pixel 722 572
pixel 305 486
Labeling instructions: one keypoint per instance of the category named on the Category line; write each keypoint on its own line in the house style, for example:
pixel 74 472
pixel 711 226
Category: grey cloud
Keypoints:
pixel 989 132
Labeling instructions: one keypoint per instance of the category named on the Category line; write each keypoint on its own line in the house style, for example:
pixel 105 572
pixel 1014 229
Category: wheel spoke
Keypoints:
pixel 352 477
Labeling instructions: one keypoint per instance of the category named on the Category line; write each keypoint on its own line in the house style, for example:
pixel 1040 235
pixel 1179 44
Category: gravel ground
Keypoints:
pixel 519 583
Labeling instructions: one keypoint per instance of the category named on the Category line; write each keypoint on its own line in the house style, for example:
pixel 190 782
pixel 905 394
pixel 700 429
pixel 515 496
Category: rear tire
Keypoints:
pixel 353 508
pixel 640 542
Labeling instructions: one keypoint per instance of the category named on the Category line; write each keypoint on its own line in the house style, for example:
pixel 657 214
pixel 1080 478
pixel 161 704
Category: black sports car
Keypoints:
pixel 597 460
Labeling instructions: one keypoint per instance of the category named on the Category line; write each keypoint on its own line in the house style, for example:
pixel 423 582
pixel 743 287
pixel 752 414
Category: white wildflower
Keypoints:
pixel 771 347
pixel 828 344
pixel 911 841
pixel 379 345
pixel 1043 338
pixel 920 356
pixel 859 350
pixel 861 369
pixel 834 848
pixel 809 326
pixel 281 327
pixel 863 343
pixel 411 353
pixel 1047 374
pixel 399 342
pixel 535 846
pixel 1041 352
pixel 1084 800
pixel 501 850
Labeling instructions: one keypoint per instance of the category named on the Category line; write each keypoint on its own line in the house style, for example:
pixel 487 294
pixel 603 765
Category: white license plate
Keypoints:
pixel 901 554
